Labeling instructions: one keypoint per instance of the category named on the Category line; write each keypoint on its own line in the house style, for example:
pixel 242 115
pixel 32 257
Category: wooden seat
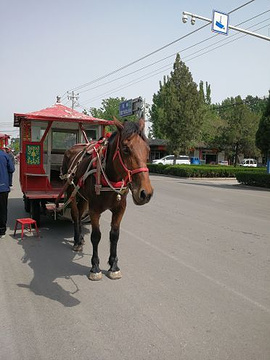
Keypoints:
pixel 26 221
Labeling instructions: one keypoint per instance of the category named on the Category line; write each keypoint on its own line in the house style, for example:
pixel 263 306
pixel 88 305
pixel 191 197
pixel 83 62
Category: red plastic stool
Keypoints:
pixel 26 221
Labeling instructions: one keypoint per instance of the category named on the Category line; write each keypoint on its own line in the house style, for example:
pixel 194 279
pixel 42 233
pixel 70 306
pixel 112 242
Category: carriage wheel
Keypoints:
pixel 27 206
pixel 35 211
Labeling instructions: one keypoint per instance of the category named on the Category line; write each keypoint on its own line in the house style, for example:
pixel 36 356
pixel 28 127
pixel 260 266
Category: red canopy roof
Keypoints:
pixel 58 112
pixel 5 136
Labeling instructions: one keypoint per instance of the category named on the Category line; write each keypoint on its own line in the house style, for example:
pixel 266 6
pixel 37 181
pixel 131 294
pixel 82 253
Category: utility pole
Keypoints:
pixel 146 116
pixel 74 98
pixel 221 25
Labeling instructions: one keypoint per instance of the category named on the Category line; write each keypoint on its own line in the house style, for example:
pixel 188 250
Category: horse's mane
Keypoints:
pixel 129 129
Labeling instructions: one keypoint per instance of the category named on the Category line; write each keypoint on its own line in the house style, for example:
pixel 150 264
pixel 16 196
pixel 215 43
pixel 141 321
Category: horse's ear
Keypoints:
pixel 118 124
pixel 141 124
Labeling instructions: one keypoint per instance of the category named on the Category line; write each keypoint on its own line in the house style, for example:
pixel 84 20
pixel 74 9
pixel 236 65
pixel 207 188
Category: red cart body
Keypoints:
pixel 44 137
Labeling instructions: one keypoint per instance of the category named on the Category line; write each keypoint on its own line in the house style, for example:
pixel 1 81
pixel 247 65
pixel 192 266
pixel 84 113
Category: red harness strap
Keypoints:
pixel 99 150
pixel 115 185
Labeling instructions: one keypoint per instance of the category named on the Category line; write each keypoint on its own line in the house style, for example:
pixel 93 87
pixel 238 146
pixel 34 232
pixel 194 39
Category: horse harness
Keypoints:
pixel 97 150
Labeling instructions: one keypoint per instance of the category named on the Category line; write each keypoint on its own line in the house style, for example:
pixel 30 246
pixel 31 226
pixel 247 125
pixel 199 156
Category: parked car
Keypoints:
pixel 168 160
pixel 223 162
pixel 249 162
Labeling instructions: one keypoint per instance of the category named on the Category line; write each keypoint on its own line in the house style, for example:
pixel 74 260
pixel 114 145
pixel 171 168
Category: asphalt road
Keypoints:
pixel 196 281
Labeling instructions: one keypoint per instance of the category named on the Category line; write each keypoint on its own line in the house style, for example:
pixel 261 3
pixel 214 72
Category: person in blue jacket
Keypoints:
pixel 12 158
pixel 6 168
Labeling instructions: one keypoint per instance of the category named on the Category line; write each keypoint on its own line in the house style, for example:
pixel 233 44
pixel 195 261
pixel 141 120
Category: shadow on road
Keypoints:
pixel 51 258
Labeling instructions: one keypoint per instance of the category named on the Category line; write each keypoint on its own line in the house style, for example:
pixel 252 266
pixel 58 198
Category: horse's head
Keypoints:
pixel 132 153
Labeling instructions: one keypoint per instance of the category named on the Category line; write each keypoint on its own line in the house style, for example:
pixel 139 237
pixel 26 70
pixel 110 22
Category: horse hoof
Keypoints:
pixel 77 247
pixel 114 275
pixel 82 241
pixel 95 276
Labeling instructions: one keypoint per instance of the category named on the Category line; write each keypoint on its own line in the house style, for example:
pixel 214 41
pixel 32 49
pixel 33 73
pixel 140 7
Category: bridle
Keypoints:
pixel 129 173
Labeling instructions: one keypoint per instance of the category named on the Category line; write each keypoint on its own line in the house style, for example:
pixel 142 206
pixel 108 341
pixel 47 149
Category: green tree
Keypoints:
pixel 205 94
pixel 256 104
pixel 211 121
pixel 176 109
pixel 109 108
pixel 211 127
pixel 15 145
pixel 263 132
pixel 238 134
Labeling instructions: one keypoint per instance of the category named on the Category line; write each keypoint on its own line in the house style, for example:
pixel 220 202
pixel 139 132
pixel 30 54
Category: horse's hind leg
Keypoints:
pixel 76 213
pixel 95 273
pixel 82 207
pixel 114 271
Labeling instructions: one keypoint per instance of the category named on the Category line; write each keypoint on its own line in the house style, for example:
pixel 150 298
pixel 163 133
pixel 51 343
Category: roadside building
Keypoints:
pixel 158 149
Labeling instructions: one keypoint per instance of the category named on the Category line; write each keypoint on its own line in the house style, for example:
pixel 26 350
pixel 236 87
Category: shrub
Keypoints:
pixel 254 178
pixel 209 171
pixel 193 170
pixel 157 168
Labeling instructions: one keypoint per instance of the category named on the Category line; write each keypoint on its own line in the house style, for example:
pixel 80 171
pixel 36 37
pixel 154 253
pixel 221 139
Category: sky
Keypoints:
pixel 54 46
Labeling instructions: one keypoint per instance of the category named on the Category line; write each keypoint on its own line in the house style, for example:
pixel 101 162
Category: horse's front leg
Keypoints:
pixel 117 215
pixel 95 273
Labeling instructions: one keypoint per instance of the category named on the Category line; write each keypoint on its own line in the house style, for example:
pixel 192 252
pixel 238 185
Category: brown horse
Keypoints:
pixel 102 180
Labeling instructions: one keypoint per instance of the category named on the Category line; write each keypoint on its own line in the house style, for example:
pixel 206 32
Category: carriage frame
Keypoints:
pixel 44 137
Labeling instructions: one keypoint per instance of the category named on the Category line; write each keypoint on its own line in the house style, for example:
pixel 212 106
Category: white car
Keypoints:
pixel 249 162
pixel 223 162
pixel 168 160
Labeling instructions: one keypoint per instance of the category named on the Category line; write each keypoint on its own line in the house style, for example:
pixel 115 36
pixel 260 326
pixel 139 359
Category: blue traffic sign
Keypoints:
pixel 125 108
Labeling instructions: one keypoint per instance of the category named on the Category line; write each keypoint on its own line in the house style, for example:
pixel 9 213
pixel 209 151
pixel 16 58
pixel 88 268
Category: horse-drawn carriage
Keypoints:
pixel 45 136
pixel 98 175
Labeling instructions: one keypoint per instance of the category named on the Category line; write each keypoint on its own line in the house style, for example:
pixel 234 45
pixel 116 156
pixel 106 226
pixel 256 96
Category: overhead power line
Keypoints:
pixel 136 61
pixel 152 53
pixel 168 66
pixel 156 72
pixel 179 51
pixel 217 47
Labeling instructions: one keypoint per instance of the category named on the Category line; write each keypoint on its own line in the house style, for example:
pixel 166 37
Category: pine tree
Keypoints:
pixel 176 109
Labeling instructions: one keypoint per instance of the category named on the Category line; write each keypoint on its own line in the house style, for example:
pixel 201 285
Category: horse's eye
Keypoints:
pixel 126 150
